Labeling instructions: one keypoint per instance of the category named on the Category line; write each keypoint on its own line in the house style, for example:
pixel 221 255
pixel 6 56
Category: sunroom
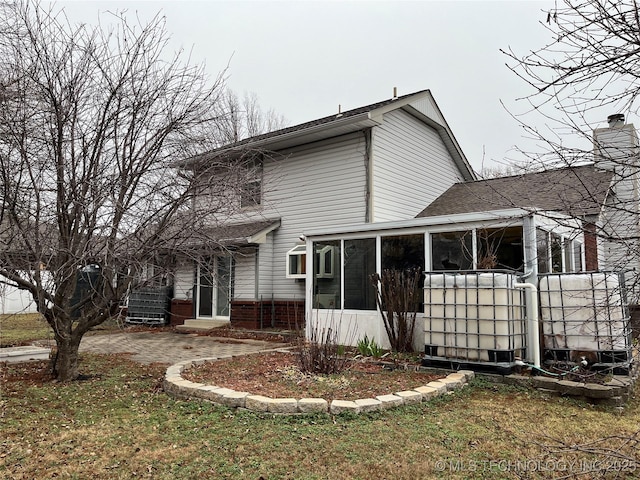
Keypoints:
pixel 340 295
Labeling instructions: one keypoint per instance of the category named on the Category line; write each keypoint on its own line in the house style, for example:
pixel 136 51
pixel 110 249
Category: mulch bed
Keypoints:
pixel 277 375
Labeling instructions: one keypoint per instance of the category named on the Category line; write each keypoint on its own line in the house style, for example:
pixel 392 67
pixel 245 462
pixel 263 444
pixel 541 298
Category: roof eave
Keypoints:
pixel 446 134
pixel 261 236
pixel 450 142
pixel 340 126
pixel 458 218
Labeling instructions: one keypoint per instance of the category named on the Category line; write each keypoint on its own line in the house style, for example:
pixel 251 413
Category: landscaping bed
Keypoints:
pixel 277 375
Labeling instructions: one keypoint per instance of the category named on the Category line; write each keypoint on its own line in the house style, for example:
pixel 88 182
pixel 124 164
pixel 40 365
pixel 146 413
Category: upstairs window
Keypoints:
pixel 251 194
pixel 251 188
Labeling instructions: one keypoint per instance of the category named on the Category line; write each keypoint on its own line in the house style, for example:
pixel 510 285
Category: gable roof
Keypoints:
pixel 420 104
pixel 577 191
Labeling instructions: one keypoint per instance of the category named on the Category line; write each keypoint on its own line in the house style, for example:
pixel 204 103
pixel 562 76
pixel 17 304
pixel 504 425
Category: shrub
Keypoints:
pixel 398 299
pixel 321 352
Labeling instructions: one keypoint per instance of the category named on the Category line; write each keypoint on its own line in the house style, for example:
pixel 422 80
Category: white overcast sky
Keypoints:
pixel 304 58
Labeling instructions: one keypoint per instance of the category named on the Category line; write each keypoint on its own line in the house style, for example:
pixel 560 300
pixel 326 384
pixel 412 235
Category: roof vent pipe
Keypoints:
pixel 395 93
pixel 615 120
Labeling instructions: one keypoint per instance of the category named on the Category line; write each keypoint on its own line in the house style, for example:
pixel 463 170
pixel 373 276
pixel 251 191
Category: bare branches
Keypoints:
pixel 603 457
pixel 591 60
pixel 242 118
pixel 398 299
pixel 90 121
pixel 587 71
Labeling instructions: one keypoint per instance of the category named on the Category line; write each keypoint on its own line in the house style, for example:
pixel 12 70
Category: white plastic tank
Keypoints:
pixel 474 316
pixel 584 312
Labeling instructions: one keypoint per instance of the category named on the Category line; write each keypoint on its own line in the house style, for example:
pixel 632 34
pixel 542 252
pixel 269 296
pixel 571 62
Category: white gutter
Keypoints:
pixel 284 140
pixel 458 218
pixel 533 335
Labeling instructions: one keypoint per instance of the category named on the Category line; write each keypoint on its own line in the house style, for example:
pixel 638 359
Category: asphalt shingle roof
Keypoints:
pixel 319 121
pixel 577 191
pixel 185 236
pixel 239 233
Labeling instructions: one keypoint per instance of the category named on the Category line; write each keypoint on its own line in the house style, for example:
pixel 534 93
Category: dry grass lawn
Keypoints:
pixel 20 329
pixel 117 423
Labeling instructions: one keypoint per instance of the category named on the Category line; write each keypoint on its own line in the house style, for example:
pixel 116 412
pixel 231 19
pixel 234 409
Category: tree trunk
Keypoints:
pixel 65 366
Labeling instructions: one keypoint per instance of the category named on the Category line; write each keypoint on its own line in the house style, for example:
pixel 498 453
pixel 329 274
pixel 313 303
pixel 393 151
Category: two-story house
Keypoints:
pixel 378 163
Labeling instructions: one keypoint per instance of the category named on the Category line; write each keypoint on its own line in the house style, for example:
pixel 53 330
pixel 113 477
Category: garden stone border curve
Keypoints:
pixel 176 386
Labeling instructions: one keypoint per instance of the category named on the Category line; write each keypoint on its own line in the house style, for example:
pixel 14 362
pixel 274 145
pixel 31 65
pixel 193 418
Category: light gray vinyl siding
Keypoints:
pixel 245 272
pixel 183 280
pixel 314 186
pixel 265 268
pixel 317 185
pixel 616 149
pixel 426 106
pixel 411 167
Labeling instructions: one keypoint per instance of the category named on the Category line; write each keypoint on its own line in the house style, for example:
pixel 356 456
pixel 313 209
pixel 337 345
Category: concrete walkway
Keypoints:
pixel 168 347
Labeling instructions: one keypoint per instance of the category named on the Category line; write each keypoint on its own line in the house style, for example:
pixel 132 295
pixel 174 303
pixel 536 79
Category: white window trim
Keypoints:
pixel 299 252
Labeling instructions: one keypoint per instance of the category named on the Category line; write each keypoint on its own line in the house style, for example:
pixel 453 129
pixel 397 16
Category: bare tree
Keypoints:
pixel 507 169
pixel 91 121
pixel 243 118
pixel 589 71
pixel 590 62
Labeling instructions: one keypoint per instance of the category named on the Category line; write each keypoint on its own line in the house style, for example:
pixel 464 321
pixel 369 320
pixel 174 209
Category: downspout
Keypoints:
pixel 531 302
pixel 530 250
pixel 367 175
pixel 309 285
pixel 530 283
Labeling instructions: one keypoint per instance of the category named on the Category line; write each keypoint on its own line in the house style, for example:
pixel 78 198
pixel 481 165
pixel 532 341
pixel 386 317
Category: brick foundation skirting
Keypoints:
pixel 284 314
pixel 180 310
pixel 256 314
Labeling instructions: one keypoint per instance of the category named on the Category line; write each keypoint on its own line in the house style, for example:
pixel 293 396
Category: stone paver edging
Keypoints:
pixel 177 386
pixel 615 392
